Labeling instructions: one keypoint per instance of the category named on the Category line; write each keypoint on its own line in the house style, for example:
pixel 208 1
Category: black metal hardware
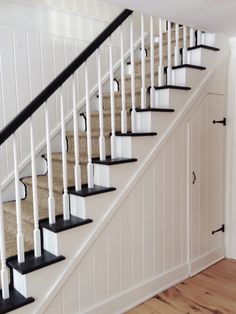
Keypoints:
pixel 218 230
pixel 15 123
pixel 223 121
pixel 117 83
pixel 194 177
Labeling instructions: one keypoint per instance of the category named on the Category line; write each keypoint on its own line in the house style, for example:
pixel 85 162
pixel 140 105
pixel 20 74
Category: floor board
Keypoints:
pixel 213 291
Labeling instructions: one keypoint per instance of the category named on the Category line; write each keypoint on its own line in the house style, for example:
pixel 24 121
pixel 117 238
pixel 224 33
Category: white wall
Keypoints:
pixel 37 41
pixel 231 157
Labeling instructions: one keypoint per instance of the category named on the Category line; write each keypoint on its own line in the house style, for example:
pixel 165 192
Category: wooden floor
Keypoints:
pixel 212 291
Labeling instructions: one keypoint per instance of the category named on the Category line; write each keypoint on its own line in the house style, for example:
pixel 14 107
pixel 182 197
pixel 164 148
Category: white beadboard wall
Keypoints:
pixel 37 40
pixel 146 238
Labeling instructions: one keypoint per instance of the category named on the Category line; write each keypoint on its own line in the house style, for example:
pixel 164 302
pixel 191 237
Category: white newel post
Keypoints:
pixel 123 110
pixel 89 135
pixel 169 68
pixel 133 112
pixel 4 272
pixel 199 37
pixel 143 65
pixel 112 99
pixel 184 52
pixel 20 236
pixel 77 168
pixel 152 69
pixel 66 211
pixel 177 53
pixel 37 237
pixel 51 199
pixel 102 142
pixel 160 67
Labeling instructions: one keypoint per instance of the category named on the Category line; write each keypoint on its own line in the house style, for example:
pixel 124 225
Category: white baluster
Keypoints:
pixel 102 142
pixel 4 272
pixel 20 236
pixel 77 168
pixel 66 211
pixel 133 112
pixel 169 68
pixel 123 111
pixel 199 37
pixel 160 68
pixel 37 237
pixel 51 199
pixel 152 90
pixel 89 138
pixel 177 54
pixel 112 99
pixel 143 65
pixel 184 45
pixel 191 38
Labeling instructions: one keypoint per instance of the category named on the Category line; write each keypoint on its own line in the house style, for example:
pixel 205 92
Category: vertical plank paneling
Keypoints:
pixel 56 305
pixel 177 196
pixel 159 213
pixel 137 234
pixel 114 273
pixel 70 294
pixel 100 268
pixel 125 232
pixel 86 282
pixel 168 258
pixel 148 223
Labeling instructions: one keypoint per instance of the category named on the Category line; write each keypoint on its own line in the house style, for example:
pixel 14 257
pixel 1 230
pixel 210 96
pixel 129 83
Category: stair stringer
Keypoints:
pixel 138 292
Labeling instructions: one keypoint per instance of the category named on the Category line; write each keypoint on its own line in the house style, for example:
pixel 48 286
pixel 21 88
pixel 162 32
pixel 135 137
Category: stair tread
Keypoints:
pixel 204 47
pixel 116 161
pixel 155 110
pixel 33 263
pixel 136 134
pixel 62 225
pixel 86 191
pixel 15 301
pixel 172 87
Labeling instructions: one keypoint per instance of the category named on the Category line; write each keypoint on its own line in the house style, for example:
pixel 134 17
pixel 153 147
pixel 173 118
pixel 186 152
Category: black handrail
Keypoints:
pixel 15 123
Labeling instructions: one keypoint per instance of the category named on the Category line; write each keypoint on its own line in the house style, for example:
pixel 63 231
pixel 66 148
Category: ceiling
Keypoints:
pixel 212 15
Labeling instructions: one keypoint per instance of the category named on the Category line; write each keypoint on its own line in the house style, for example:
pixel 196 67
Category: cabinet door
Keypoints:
pixel 207 178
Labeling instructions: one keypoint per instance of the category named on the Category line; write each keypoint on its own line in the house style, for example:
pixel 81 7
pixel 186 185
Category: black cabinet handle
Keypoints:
pixel 223 121
pixel 194 177
pixel 218 230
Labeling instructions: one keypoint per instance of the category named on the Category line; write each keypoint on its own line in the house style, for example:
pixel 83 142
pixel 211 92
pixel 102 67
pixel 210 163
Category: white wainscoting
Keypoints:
pixel 145 242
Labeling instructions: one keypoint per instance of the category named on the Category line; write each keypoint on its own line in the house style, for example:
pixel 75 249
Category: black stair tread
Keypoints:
pixel 62 225
pixel 171 87
pixel 15 301
pixel 204 47
pixel 136 134
pixel 86 191
pixel 116 161
pixel 33 263
pixel 155 110
pixel 190 66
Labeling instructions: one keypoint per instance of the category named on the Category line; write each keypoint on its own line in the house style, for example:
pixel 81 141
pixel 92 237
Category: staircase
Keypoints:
pixel 33 229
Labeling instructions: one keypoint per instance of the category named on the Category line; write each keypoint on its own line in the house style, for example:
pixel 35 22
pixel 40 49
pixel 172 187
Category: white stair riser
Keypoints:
pixel 187 77
pixel 129 147
pixel 154 121
pixel 115 175
pixel 170 98
pixel 202 57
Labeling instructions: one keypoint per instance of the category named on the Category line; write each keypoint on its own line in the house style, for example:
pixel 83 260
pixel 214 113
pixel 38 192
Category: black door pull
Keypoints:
pixel 223 121
pixel 218 230
pixel 194 177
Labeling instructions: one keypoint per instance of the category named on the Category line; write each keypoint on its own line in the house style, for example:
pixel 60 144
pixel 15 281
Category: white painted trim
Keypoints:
pixel 131 298
pixel 112 210
pixel 205 261
pixel 68 119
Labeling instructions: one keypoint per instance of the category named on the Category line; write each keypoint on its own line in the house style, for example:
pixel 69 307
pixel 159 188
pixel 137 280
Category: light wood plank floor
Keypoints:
pixel 213 291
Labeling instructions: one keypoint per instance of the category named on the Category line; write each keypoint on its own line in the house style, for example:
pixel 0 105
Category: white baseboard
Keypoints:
pixel 141 293
pixel 206 261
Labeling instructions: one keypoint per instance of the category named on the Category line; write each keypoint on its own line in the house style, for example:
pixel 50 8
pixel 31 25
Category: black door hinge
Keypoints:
pixel 218 230
pixel 223 121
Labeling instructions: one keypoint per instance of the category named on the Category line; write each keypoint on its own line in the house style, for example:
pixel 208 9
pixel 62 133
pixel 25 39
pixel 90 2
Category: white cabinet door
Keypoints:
pixel 207 178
